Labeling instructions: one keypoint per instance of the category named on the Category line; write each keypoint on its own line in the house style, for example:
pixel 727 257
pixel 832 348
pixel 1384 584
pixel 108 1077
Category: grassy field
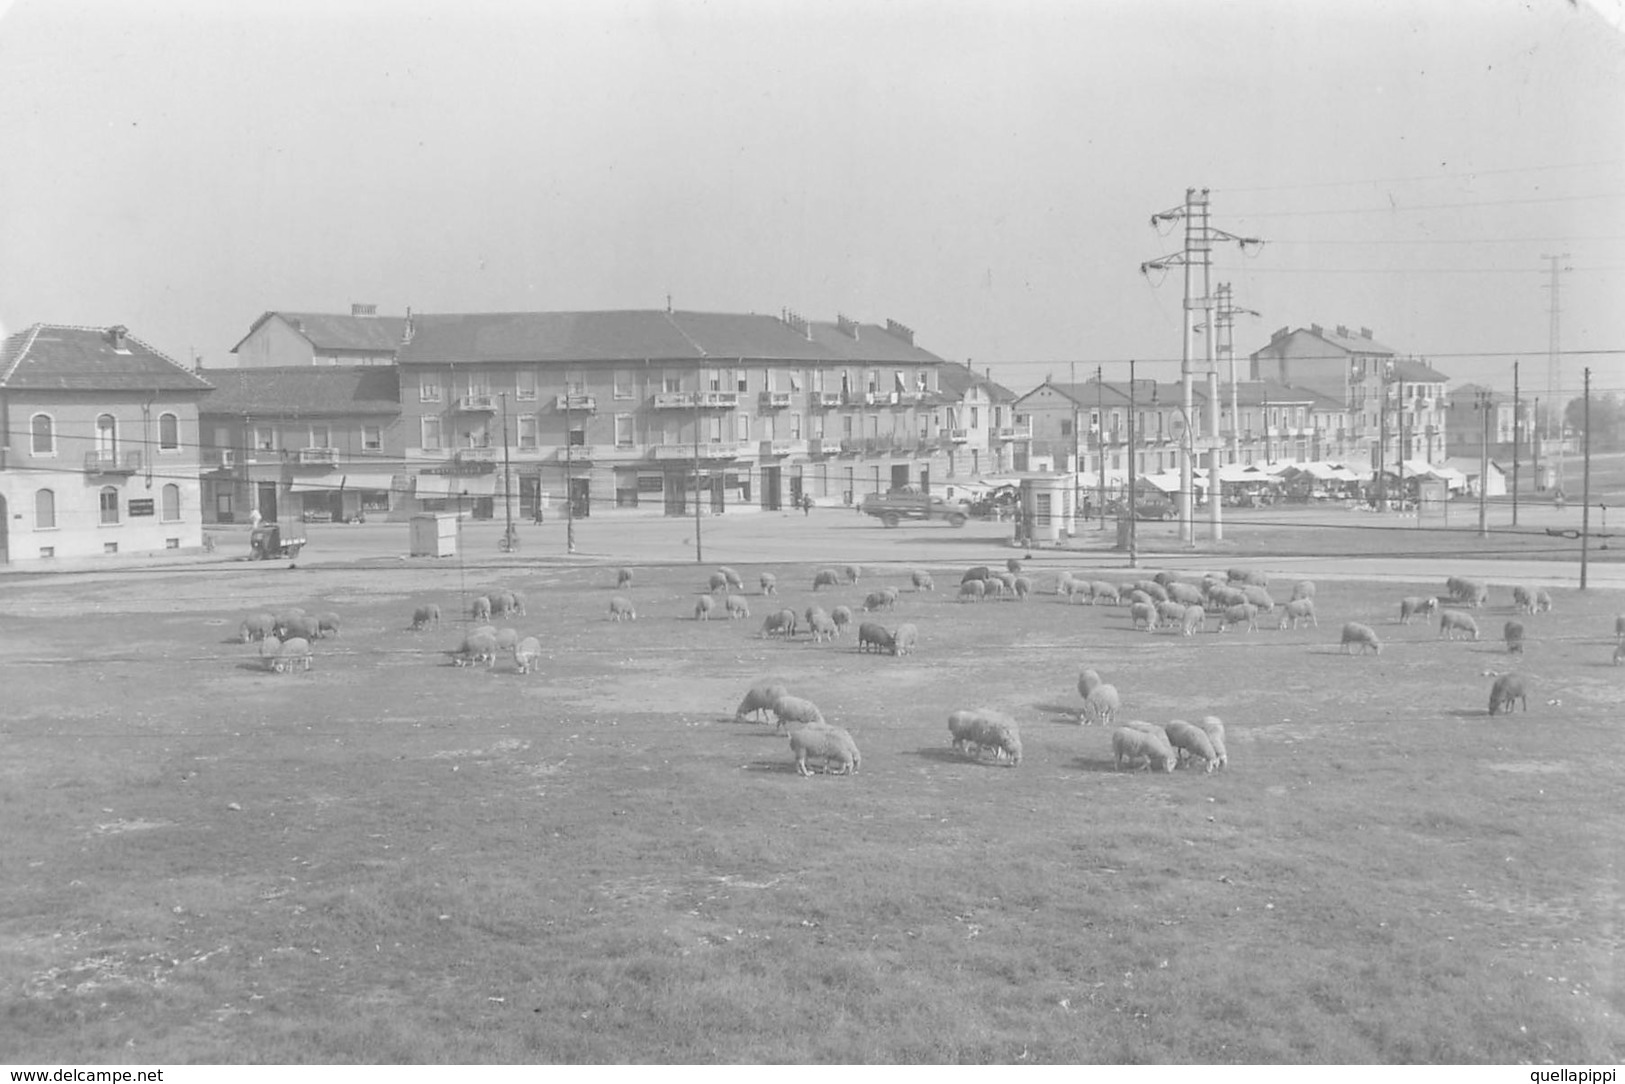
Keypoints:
pixel 391 859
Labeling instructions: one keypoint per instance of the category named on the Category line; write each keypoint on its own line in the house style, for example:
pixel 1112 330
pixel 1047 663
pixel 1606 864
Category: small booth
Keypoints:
pixel 1047 512
pixel 434 534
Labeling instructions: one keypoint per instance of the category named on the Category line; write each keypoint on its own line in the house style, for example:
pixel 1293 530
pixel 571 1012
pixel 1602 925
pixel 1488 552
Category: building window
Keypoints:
pixel 107 437
pixel 109 547
pixel 715 435
pixel 623 384
pixel 795 426
pixel 477 384
pixel 874 381
pixel 372 438
pixel 575 382
pixel 623 430
pixel 742 427
pixel 1066 427
pixel 526 388
pixel 44 510
pixel 44 430
pixel 171 503
pixel 321 436
pixel 527 432
pixel 578 438
pixel 169 433
pixel 265 438
pixel 973 412
pixel 109 500
pixel 671 382
pixel 428 388
pixel 47 551
pixel 431 432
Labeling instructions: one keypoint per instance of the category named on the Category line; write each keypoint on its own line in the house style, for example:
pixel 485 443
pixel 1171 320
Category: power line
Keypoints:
pixel 1398 209
pixel 1428 177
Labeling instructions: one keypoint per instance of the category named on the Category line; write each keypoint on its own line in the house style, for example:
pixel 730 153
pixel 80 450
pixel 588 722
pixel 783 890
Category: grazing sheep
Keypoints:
pixel 1191 741
pixel 842 616
pixel 1512 633
pixel 984 728
pixel 1413 607
pixel 1454 621
pixel 518 601
pixel 284 655
pixel 620 609
pixel 503 603
pixel 821 626
pixel 738 607
pixel 1235 615
pixel 980 572
pixel 298 627
pixel 1194 621
pixel 782 623
pixel 1186 594
pixel 1143 611
pixel 1256 579
pixel 731 578
pixel 717 582
pixel 1155 590
pixel 972 590
pixel 1088 682
pixel 1022 587
pixel 877 600
pixel 477 647
pixel 794 711
pixel 1467 591
pixel 892 593
pixel 904 639
pixel 1013 566
pixel 1101 591
pixel 1166 578
pixel 995 587
pixel 1543 601
pixel 1235 575
pixel 1131 745
pixel 1258 597
pixel 1008 579
pixel 1523 600
pixel 327 624
pixel 760 700
pixel 769 582
pixel 1356 633
pixel 830 744
pixel 527 654
pixel 1507 688
pixel 813 611
pixel 480 609
pixel 1100 705
pixel 623 578
pixel 871 635
pixel 1213 727
pixel 703 607
pixel 424 616
pixel 259 626
pixel 826 577
pixel 1303 589
pixel 489 630
pixel 506 639
pixel 1170 614
pixel 852 572
pixel 923 581
pixel 288 619
pixel 1222 597
pixel 1134 596
pixel 1299 610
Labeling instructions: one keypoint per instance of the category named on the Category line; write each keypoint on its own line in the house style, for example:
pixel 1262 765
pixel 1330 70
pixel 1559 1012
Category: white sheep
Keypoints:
pixel 424 616
pixel 297 625
pixel 796 711
pixel 1191 741
pixel 1356 633
pixel 478 646
pixel 1298 611
pixel 922 581
pixel 480 609
pixel 1088 682
pixel 1523 599
pixel 1194 621
pixel 517 599
pixel 1454 621
pixel 1186 594
pixel 842 616
pixel 1131 745
pixel 1259 597
pixel 1244 612
pixel 327 624
pixel 738 607
pixel 769 582
pixel 1507 688
pixel 826 577
pixel 821 626
pixel 831 744
pixel 781 623
pixel 904 639
pixel 259 626
pixel 872 635
pixel 983 728
pixel 703 607
pixel 1170 614
pixel 284 655
pixel 620 609
pixel 1512 633
pixel 877 600
pixel 1100 705
pixel 1223 596
pixel 1303 589
pixel 760 700
pixel 732 578
pixel 623 578
pixel 527 654
pixel 1543 601
pixel 993 587
pixel 973 590
pixel 1065 584
pixel 1023 588
pixel 507 639
pixel 716 582
pixel 1412 606
pixel 1101 591
pixel 852 573
pixel 1213 727
pixel 1143 612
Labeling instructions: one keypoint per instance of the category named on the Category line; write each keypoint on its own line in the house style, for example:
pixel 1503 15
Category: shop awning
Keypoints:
pixel 433 487
pixel 472 485
pixel 368 481
pixel 323 484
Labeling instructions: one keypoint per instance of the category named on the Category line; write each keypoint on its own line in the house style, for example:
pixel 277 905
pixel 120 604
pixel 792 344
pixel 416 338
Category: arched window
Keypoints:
pixel 106 436
pixel 44 429
pixel 172 503
pixel 44 509
pixel 169 433
pixel 109 504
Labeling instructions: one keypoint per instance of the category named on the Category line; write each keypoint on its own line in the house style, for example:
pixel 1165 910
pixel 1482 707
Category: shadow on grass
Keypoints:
pixel 1468 713
pixel 950 755
pixel 1097 764
pixel 1068 712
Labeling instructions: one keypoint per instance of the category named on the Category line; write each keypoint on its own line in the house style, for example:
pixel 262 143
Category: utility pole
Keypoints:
pixel 699 552
pixel 1402 447
pixel 1226 318
pixel 1517 423
pixel 1199 238
pixel 1100 428
pixel 1554 361
pixel 1382 439
pixel 508 537
pixel 1483 401
pixel 1133 516
pixel 1585 483
pixel 1077 463
pixel 569 473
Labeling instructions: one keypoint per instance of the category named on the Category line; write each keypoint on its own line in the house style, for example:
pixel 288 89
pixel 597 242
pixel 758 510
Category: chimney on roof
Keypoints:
pixel 1317 329
pixel 1280 333
pixel 408 330
pixel 1365 333
pixel 794 320
pixel 115 335
pixel 902 331
pixel 1342 331
pixel 363 310
pixel 847 325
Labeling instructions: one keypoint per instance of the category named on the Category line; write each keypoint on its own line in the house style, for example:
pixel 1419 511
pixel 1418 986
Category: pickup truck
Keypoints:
pixel 893 508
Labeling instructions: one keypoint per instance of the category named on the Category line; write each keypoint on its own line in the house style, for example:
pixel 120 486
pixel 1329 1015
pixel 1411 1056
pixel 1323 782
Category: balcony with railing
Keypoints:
pixel 957 436
pixel 110 463
pixel 774 400
pixel 477 404
pixel 1014 432
pixel 818 447
pixel 826 399
pixel 317 457
pixel 769 449
pixel 484 458
pixel 220 459
pixel 575 401
pixel 707 400
pixel 719 449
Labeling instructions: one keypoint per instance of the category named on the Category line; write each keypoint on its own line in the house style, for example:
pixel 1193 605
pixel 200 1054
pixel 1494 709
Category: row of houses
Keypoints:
pixel 111 446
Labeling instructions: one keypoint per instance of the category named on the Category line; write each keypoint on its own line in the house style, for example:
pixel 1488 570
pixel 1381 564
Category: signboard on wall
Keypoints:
pixel 141 507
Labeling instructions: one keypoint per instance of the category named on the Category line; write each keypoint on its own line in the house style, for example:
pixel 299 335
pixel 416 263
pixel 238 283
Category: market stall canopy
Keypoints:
pixel 368 481
pixel 1236 473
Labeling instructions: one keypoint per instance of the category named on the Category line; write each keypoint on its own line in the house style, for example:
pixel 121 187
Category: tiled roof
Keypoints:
pixel 1150 393
pixel 304 391
pixel 956 378
pixel 636 335
pixel 331 331
pixel 1417 371
pixel 61 357
pixel 1353 344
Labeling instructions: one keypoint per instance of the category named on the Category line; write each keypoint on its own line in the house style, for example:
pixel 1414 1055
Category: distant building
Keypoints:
pixel 288 339
pixel 303 443
pixel 982 432
pixel 1467 434
pixel 100 446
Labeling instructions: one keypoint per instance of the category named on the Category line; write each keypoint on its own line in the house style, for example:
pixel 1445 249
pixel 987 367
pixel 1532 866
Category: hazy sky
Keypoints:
pixel 984 171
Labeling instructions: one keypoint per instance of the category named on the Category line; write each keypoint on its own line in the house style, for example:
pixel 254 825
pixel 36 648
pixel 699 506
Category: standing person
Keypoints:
pixel 806 504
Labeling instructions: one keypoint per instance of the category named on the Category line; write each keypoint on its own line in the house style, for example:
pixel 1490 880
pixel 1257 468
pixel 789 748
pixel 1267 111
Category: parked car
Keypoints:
pixel 1146 506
